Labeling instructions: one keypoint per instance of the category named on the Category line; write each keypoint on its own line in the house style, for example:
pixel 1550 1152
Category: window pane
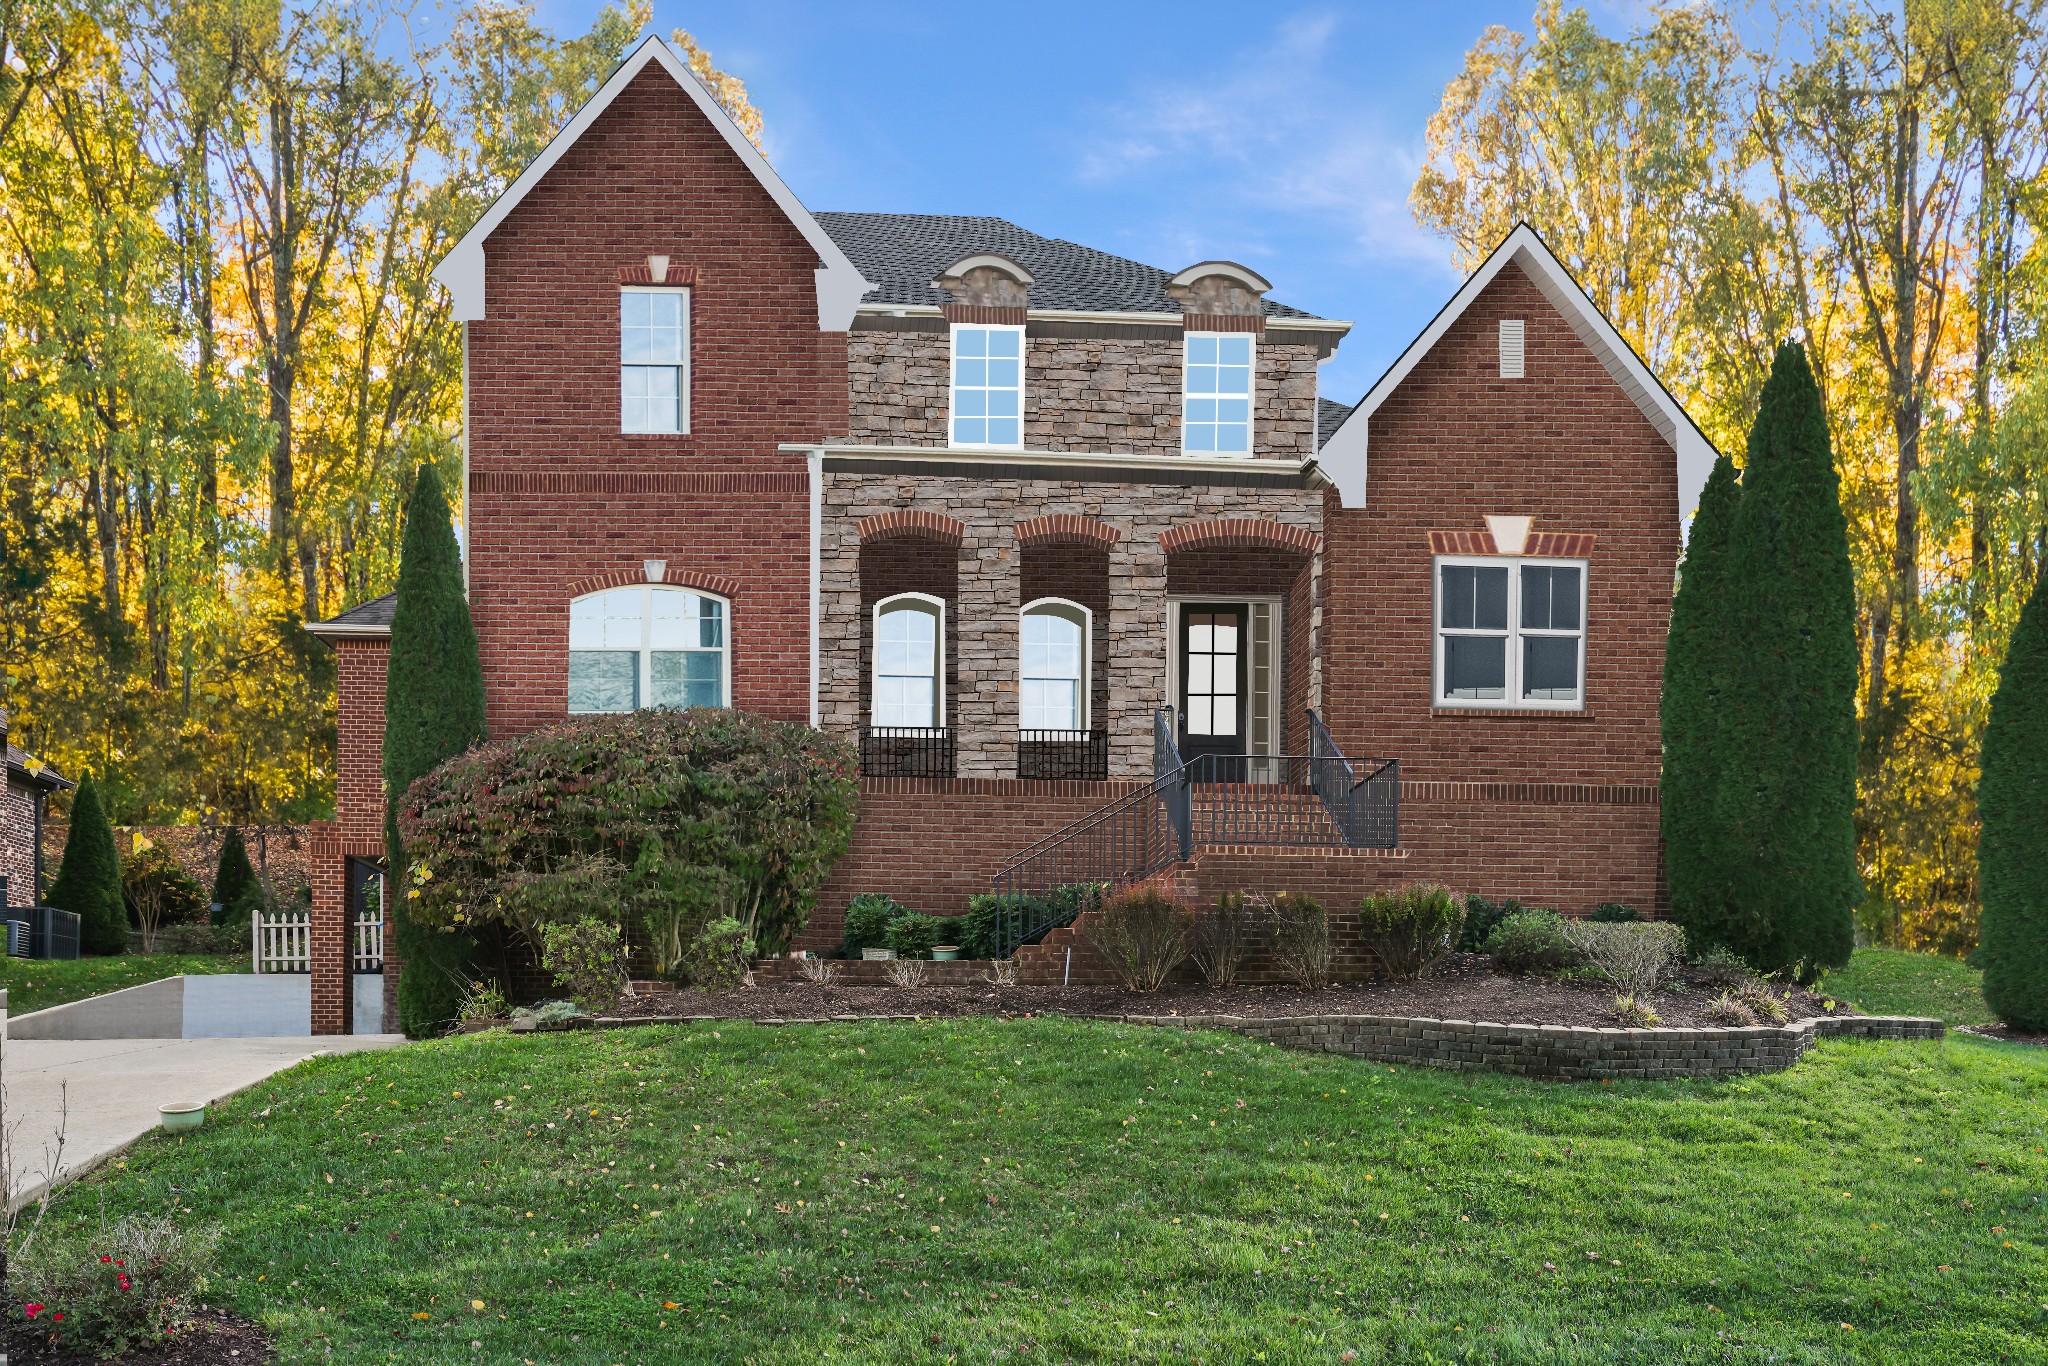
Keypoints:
pixel 971 373
pixel 1002 403
pixel 970 341
pixel 1202 348
pixel 1475 666
pixel 971 403
pixel 685 621
pixel 1200 438
pixel 1564 599
pixel 604 680
pixel 1234 379
pixel 987 387
pixel 1475 598
pixel 1550 668
pixel 1200 715
pixel 904 702
pixel 1004 431
pixel 970 431
pixel 685 678
pixel 1004 342
pixel 1233 436
pixel 1002 374
pixel 1234 349
pixel 906 667
pixel 1550 598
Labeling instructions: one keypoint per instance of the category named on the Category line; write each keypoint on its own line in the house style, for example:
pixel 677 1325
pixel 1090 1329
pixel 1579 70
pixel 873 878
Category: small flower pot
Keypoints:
pixel 181 1115
pixel 945 953
pixel 877 955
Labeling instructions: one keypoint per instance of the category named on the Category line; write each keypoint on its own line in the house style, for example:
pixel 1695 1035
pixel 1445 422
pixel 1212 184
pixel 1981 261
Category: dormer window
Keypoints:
pixel 1216 412
pixel 654 361
pixel 988 386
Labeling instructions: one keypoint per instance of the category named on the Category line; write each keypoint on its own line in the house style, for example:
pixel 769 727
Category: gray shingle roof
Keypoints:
pixel 904 252
pixel 1330 415
pixel 367 618
pixel 43 775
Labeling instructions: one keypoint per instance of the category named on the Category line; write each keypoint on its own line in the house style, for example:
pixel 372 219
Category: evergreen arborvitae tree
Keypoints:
pixel 89 877
pixel 236 889
pixel 1786 803
pixel 433 710
pixel 1696 669
pixel 2012 847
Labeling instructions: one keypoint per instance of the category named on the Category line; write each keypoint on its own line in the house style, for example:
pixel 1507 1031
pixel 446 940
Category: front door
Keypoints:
pixel 1213 638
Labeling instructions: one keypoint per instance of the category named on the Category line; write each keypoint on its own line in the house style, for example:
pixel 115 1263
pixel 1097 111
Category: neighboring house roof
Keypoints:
pixel 32 770
pixel 902 253
pixel 371 620
pixel 1330 415
pixel 840 286
pixel 1344 453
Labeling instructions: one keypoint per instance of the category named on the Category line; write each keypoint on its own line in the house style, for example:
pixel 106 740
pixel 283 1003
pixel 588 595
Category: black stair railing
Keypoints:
pixel 1366 808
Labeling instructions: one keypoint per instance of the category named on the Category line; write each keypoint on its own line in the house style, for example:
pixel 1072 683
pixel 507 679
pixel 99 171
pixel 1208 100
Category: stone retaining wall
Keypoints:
pixel 1556 1052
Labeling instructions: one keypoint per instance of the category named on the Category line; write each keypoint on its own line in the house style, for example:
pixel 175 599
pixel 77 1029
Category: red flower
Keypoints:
pixel 57 1317
pixel 106 1258
pixel 33 1309
pixel 119 1262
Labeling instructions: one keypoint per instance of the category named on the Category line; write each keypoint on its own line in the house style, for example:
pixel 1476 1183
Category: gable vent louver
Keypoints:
pixel 1510 348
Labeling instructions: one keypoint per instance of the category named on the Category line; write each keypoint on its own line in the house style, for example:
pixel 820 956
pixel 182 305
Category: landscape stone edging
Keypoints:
pixel 1552 1052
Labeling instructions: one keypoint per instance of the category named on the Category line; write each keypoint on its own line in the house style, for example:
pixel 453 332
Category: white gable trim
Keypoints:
pixel 840 286
pixel 1344 452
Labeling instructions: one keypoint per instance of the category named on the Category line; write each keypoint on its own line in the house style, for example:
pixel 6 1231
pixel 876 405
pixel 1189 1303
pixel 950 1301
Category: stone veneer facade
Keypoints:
pixel 982 620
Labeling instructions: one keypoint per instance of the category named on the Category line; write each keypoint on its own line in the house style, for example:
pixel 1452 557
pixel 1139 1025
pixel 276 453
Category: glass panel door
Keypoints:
pixel 1213 643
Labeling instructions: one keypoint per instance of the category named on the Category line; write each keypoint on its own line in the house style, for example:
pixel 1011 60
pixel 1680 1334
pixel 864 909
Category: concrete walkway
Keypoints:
pixel 112 1087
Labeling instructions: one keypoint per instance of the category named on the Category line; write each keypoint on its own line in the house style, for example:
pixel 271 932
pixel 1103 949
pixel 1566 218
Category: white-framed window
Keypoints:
pixel 909 655
pixel 648 645
pixel 1510 633
pixel 1216 406
pixel 654 361
pixel 1052 678
pixel 988 386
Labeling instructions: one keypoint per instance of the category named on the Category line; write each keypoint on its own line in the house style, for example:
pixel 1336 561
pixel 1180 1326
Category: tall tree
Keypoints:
pixel 1697 671
pixel 433 710
pixel 89 876
pixel 2012 854
pixel 1787 785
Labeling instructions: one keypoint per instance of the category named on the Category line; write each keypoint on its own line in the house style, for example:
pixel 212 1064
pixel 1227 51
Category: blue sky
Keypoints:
pixel 1284 137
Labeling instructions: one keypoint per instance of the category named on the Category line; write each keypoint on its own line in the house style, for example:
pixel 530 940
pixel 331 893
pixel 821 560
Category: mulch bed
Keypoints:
pixel 2007 1033
pixel 1465 987
pixel 215 1338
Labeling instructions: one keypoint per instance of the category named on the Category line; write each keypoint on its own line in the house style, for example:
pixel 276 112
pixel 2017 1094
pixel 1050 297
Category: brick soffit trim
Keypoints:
pixel 1067 528
pixel 1564 545
pixel 992 315
pixel 680 277
pixel 1240 533
pixel 675 576
pixel 1254 323
pixel 911 524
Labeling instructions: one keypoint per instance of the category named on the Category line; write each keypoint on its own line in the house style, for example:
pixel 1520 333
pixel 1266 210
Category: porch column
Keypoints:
pixel 329 949
pixel 984 716
pixel 1137 652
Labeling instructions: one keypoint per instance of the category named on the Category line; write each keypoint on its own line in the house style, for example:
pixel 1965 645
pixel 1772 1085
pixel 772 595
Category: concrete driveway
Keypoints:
pixel 112 1087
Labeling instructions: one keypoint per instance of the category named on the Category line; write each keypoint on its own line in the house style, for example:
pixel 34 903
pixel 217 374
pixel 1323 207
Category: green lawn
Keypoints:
pixel 33 984
pixel 1892 982
pixel 1054 1190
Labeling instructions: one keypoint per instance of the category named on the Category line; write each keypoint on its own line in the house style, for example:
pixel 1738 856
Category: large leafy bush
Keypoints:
pixel 662 820
pixel 1408 932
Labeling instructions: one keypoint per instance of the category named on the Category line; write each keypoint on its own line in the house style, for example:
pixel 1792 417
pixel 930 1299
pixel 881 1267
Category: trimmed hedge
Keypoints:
pixel 2012 852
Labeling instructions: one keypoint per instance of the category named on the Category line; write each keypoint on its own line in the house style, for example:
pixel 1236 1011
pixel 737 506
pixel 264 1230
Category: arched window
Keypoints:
pixel 910 635
pixel 1053 677
pixel 646 645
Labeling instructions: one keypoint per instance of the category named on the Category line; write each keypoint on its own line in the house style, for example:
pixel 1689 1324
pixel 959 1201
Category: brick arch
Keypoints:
pixel 911 524
pixel 1240 533
pixel 1067 528
pixel 674 577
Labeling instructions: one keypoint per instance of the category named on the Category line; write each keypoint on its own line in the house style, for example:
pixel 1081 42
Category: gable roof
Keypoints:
pixel 1343 455
pixel 1330 415
pixel 840 285
pixel 370 619
pixel 902 253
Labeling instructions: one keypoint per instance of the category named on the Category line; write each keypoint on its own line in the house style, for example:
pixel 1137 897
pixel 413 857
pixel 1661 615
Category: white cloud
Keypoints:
pixel 1272 135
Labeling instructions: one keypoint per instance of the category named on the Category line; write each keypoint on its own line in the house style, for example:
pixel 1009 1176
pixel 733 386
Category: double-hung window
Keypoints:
pixel 1511 633
pixel 910 636
pixel 1216 409
pixel 988 386
pixel 1053 677
pixel 646 645
pixel 654 361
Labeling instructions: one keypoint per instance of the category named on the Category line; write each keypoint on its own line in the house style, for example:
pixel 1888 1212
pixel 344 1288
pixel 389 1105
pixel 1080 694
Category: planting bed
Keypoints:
pixel 1464 987
pixel 215 1338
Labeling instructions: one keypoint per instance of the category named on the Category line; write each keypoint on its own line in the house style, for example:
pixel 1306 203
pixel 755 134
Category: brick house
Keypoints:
pixel 23 796
pixel 1038 526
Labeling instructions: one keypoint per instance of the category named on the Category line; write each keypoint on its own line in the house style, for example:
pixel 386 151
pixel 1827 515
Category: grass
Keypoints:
pixel 33 984
pixel 1893 982
pixel 1056 1190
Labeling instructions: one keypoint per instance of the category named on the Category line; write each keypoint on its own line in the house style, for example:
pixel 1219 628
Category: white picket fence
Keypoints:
pixel 283 941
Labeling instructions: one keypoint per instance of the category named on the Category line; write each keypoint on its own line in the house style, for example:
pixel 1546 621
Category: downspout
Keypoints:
pixel 815 459
pixel 465 460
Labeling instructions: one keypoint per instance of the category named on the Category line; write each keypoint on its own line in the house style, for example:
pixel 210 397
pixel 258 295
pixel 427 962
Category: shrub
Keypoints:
pixel 867 922
pixel 215 940
pixel 1000 923
pixel 484 1001
pixel 1481 918
pixel 1533 941
pixel 587 959
pixel 1614 913
pixel 905 972
pixel 1634 1014
pixel 669 818
pixel 1635 957
pixel 236 889
pixel 1144 934
pixel 1222 936
pixel 913 933
pixel 2013 801
pixel 1301 938
pixel 133 1288
pixel 818 971
pixel 1719 967
pixel 719 958
pixel 1761 1000
pixel 157 891
pixel 981 927
pixel 1408 932
pixel 89 875
pixel 1727 1011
